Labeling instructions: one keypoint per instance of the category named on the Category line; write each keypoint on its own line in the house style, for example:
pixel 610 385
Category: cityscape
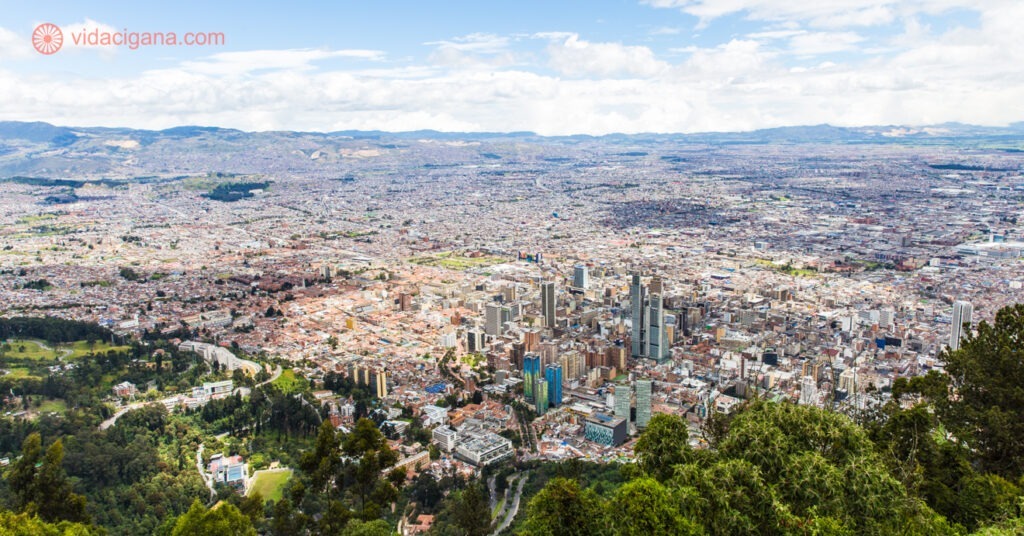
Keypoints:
pixel 783 329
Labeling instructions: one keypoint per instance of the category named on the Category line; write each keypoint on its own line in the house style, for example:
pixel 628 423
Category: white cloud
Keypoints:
pixel 819 13
pixel 14 46
pixel 473 51
pixel 475 42
pixel 575 57
pixel 236 63
pixel 665 30
pixel 814 43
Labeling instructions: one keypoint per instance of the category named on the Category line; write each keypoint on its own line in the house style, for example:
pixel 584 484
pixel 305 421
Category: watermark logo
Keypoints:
pixel 47 38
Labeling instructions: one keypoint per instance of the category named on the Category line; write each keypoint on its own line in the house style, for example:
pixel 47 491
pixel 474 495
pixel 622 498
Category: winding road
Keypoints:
pixel 513 509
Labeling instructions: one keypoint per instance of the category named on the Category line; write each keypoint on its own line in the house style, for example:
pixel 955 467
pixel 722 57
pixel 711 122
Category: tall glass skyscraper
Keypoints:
pixel 541 390
pixel 553 374
pixel 547 299
pixel 531 372
pixel 580 277
pixel 623 400
pixel 637 297
pixel 643 403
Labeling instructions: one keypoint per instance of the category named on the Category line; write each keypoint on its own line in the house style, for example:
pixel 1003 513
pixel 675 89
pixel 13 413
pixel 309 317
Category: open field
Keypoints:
pixel 81 348
pixel 26 349
pixel 52 405
pixel 270 484
pixel 17 373
pixel 453 261
pixel 289 382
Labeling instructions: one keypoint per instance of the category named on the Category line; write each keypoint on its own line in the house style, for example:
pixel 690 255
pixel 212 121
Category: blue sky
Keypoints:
pixel 551 67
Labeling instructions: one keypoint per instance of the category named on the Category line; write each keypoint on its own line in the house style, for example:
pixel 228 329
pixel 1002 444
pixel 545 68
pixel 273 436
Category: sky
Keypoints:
pixel 554 67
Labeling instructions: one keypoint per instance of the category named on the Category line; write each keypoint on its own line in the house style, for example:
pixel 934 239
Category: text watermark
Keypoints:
pixel 48 38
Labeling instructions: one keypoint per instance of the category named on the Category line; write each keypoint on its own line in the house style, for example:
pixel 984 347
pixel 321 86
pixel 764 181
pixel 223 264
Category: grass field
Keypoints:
pixel 452 261
pixel 52 405
pixel 32 350
pixel 35 351
pixel 81 348
pixel 17 373
pixel 270 484
pixel 289 382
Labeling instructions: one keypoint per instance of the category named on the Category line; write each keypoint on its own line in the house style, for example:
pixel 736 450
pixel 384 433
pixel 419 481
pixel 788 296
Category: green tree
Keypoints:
pixel 644 507
pixel 466 513
pixel 986 374
pixel 322 462
pixel 377 527
pixel 663 445
pixel 561 508
pixel 23 524
pixel 223 520
pixel 40 485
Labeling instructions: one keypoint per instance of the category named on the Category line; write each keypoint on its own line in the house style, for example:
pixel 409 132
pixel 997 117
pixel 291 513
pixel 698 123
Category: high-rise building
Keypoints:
pixel 547 298
pixel 531 370
pixel 808 390
pixel 623 400
pixel 553 375
pixel 492 319
pixel 657 286
pixel 657 338
pixel 649 336
pixel 531 340
pixel 379 381
pixel 540 391
pixel 643 403
pixel 637 297
pixel 495 317
pixel 581 277
pixel 474 341
pixel 962 312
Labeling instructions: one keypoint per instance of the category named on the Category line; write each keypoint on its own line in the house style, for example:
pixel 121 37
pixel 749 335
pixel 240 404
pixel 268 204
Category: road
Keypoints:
pixel 514 509
pixel 274 376
pixel 207 479
pixel 110 422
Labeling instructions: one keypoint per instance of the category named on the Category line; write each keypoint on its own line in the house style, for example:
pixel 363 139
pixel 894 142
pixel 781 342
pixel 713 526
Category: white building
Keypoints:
pixel 445 438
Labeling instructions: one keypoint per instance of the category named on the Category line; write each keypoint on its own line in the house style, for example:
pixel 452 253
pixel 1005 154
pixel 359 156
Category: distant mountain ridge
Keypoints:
pixel 41 132
pixel 37 149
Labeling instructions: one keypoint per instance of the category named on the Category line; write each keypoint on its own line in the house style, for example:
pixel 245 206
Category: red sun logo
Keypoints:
pixel 47 38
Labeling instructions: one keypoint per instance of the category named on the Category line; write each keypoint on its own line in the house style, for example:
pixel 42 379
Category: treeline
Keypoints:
pixel 267 409
pixel 128 479
pixel 233 191
pixel 52 330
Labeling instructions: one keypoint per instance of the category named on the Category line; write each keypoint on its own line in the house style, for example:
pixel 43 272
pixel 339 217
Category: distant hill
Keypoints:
pixel 44 132
pixel 37 149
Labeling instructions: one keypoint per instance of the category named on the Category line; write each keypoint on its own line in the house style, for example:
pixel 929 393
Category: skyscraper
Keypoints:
pixel 492 319
pixel 553 375
pixel 581 277
pixel 495 317
pixel 962 312
pixel 637 297
pixel 808 390
pixel 541 392
pixel 623 400
pixel 657 339
pixel 643 403
pixel 649 335
pixel 547 298
pixel 531 370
